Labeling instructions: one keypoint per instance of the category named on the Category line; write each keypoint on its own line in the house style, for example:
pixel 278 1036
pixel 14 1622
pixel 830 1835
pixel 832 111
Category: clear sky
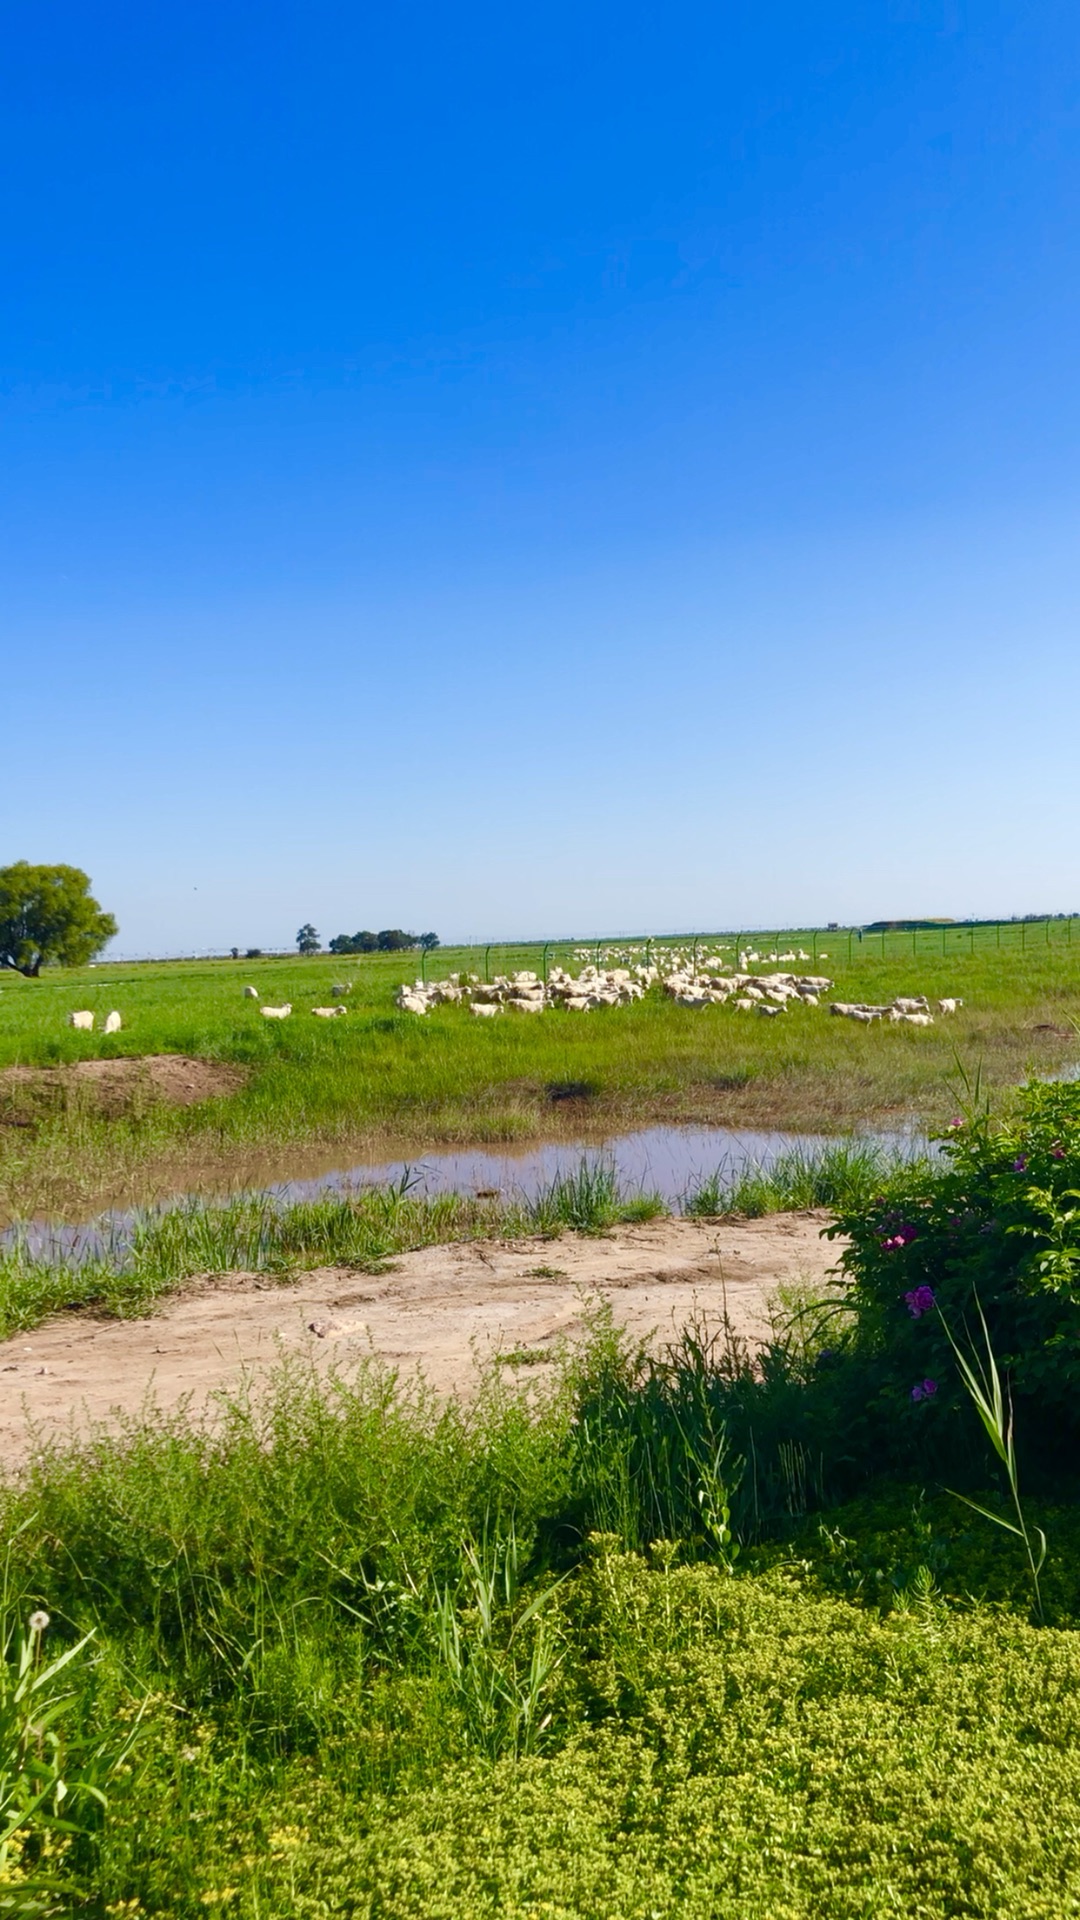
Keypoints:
pixel 528 471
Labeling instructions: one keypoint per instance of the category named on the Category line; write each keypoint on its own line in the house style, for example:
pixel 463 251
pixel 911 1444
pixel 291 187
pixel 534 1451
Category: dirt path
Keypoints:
pixel 440 1309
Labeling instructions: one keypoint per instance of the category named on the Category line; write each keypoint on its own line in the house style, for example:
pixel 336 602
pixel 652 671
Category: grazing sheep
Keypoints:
pixel 949 1006
pixel 915 1019
pixel 485 1010
pixel 338 992
pixel 327 1013
pixel 251 993
pixel 113 1023
pixel 276 1013
pixel 771 1013
pixel 84 1021
pixel 917 1003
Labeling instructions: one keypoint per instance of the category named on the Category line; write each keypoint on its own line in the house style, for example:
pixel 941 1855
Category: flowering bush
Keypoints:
pixel 996 1218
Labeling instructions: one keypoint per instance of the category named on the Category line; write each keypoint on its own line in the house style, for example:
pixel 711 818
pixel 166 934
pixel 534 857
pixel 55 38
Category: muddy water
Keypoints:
pixel 669 1161
pixel 664 1160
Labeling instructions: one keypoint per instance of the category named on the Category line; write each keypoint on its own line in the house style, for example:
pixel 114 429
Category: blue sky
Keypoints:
pixel 614 468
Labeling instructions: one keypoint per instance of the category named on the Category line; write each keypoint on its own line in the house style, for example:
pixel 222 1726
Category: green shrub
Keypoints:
pixel 995 1224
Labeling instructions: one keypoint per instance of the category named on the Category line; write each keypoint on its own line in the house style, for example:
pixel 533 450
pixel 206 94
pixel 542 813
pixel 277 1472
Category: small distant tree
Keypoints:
pixel 307 939
pixel 394 940
pixel 429 942
pixel 235 951
pixel 365 942
pixel 253 953
pixel 48 915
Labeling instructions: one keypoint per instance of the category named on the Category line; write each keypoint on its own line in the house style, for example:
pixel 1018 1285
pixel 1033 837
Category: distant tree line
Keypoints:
pixel 390 940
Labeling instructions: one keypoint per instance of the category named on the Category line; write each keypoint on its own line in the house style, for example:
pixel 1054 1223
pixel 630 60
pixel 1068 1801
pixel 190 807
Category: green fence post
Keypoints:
pixel 544 962
pixel 850 937
pixel 1023 934
pixel 487 964
pixel 423 965
pixel 695 953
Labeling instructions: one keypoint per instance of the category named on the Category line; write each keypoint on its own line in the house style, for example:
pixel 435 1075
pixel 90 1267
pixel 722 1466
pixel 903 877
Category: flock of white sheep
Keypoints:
pixel 688 980
pixel 678 972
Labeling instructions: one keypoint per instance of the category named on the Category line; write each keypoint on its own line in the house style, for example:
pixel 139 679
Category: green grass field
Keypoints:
pixel 385 1083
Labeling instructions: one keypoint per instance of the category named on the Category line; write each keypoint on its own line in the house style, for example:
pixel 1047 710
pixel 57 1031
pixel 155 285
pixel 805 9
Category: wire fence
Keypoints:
pixel 789 946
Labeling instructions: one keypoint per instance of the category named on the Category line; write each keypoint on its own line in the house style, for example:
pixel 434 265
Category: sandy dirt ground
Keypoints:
pixel 441 1310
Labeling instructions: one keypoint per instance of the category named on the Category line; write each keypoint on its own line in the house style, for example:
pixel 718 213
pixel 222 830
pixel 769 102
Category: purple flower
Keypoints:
pixel 919 1301
pixel 1057 1151
pixel 1020 1163
pixel 924 1390
pixel 954 1124
pixel 901 1236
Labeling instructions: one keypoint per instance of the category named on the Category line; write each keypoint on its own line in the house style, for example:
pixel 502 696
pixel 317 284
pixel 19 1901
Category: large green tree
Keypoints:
pixel 49 914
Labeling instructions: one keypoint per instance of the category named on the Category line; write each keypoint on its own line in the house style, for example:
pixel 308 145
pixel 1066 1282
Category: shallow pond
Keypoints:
pixel 668 1161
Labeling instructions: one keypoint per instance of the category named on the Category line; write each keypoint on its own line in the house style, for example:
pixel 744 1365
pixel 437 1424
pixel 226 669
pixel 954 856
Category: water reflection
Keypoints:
pixel 669 1161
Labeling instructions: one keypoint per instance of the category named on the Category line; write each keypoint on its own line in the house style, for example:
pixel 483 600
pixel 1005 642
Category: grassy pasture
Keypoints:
pixel 382 1082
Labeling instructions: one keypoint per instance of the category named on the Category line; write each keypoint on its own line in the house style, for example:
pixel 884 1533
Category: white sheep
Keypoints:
pixel 113 1023
pixel 949 1006
pixel 327 1013
pixel 915 1003
pixel 484 1009
pixel 276 1013
pixel 84 1021
pixel 251 993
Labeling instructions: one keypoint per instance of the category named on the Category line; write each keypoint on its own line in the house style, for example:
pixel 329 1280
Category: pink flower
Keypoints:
pixel 919 1301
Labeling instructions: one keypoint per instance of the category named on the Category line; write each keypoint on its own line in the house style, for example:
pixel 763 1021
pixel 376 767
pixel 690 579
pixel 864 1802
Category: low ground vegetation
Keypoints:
pixel 695 1633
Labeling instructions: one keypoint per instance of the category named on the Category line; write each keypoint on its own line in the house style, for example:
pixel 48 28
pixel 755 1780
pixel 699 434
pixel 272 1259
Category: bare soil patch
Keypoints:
pixel 440 1310
pixel 114 1086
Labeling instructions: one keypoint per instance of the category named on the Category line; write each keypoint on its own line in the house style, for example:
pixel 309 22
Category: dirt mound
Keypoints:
pixel 113 1087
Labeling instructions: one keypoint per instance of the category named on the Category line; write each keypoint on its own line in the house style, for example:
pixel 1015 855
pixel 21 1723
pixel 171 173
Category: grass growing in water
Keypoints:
pixel 124 1267
pixel 844 1175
